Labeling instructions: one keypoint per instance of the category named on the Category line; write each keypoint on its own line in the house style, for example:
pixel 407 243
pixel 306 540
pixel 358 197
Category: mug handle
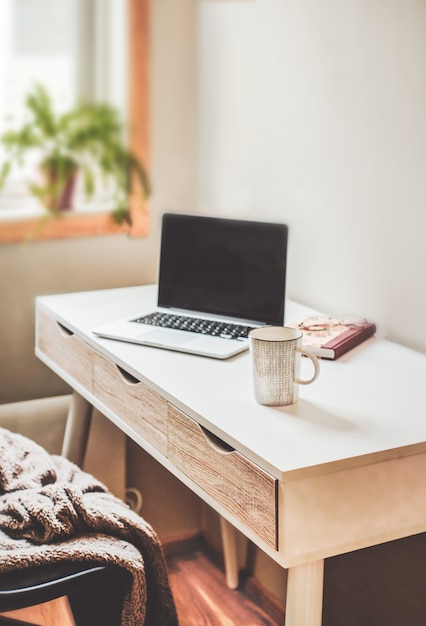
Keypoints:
pixel 315 362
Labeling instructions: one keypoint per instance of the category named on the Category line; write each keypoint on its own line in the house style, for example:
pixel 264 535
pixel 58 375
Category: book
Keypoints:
pixel 329 338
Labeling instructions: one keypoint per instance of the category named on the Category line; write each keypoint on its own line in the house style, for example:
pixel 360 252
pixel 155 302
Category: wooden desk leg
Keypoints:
pixel 77 429
pixel 230 556
pixel 304 594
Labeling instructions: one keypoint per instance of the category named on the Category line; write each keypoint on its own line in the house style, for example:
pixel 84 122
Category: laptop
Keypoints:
pixel 218 278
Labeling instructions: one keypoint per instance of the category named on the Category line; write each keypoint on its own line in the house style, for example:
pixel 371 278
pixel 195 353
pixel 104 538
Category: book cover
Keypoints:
pixel 330 338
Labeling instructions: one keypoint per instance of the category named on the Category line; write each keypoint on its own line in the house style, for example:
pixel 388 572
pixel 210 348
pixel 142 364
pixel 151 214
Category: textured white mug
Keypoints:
pixel 276 353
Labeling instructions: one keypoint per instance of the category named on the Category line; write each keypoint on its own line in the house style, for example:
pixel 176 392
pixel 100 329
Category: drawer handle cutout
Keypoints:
pixel 128 378
pixel 216 442
pixel 64 330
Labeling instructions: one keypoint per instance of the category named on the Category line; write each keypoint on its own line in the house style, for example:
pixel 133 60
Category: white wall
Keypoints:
pixel 313 113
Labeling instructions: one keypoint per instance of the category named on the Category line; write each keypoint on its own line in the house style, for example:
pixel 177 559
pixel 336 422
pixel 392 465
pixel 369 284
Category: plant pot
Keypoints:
pixel 65 199
pixel 59 188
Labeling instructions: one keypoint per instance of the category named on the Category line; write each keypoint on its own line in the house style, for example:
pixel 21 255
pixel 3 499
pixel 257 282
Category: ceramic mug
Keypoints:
pixel 276 352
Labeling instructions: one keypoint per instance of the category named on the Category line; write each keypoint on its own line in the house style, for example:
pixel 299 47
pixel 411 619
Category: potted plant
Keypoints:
pixel 86 141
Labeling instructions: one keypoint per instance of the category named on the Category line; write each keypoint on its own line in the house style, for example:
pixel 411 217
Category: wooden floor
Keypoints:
pixel 203 599
pixel 201 596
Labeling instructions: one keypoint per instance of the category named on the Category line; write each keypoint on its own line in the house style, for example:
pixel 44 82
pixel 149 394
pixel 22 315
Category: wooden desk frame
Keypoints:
pixel 367 495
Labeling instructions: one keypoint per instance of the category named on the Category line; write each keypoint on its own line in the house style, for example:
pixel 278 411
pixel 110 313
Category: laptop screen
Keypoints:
pixel 226 267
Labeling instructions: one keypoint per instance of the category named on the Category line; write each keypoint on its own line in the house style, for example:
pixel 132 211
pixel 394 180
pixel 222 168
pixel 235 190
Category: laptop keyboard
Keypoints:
pixel 196 325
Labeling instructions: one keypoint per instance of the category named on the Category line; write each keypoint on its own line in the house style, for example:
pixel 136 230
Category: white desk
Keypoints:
pixel 342 469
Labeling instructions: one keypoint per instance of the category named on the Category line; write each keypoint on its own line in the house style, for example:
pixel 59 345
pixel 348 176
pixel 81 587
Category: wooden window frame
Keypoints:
pixel 73 224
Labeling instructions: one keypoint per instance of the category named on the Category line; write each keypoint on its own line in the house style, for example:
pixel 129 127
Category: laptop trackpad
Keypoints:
pixel 160 337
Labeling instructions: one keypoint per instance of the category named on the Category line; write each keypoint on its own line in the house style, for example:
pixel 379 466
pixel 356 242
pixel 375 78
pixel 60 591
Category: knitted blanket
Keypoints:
pixel 50 510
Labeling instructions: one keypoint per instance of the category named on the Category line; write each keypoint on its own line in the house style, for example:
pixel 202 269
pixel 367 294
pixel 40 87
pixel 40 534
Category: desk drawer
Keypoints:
pixel 61 345
pixel 132 401
pixel 243 488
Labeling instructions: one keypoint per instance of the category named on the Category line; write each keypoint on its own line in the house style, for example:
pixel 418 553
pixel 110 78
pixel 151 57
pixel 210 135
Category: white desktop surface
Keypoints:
pixel 365 407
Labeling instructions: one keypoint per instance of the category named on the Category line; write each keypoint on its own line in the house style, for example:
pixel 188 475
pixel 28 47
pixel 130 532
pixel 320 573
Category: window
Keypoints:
pixel 37 46
pixel 76 49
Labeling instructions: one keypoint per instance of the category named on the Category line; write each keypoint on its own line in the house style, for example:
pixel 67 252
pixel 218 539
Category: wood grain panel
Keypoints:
pixel 61 345
pixel 244 489
pixel 131 400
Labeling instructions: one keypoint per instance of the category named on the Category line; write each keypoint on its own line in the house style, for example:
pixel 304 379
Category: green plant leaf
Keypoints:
pixel 88 138
pixel 4 173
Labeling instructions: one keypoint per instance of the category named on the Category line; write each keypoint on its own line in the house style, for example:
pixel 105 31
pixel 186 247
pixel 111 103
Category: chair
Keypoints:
pixel 95 591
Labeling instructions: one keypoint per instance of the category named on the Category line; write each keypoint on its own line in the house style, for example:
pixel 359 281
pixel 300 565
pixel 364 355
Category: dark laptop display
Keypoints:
pixel 231 268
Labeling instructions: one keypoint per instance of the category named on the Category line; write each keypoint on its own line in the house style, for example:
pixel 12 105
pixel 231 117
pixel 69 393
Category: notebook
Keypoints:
pixel 217 279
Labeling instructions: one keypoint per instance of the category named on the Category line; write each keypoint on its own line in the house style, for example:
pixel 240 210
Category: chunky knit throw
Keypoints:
pixel 52 511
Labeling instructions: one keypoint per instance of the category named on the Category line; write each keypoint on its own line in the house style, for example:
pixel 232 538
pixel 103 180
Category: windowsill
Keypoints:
pixel 25 206
pixel 29 225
